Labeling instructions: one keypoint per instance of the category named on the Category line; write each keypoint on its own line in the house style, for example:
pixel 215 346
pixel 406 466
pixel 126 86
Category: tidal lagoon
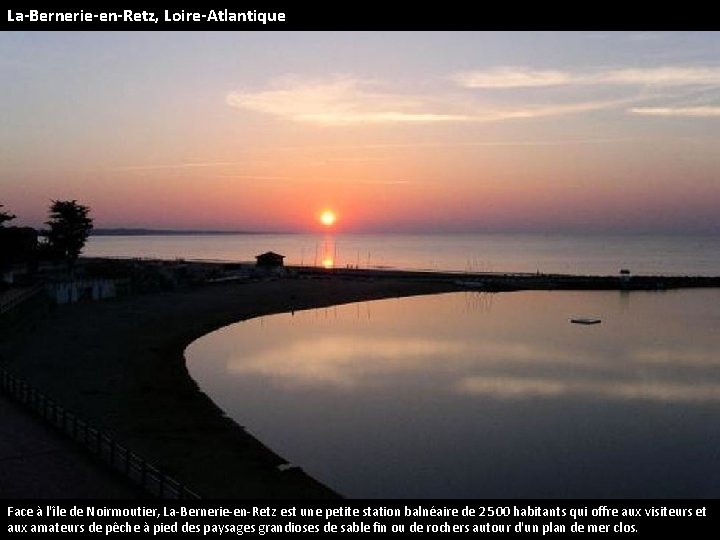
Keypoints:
pixel 483 395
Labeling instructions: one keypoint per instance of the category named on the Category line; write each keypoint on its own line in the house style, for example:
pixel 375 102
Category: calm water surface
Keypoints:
pixel 483 395
pixel 570 254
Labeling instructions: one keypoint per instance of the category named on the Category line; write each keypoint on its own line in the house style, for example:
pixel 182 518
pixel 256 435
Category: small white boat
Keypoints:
pixel 585 321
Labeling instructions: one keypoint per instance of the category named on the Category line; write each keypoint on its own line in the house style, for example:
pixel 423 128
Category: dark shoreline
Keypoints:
pixel 120 364
pixel 516 281
pixel 172 232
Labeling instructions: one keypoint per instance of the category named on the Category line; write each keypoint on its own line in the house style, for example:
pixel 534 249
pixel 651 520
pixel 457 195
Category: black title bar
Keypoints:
pixel 345 16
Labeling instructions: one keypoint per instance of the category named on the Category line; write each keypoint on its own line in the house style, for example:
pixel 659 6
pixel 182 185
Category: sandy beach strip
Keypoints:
pixel 120 365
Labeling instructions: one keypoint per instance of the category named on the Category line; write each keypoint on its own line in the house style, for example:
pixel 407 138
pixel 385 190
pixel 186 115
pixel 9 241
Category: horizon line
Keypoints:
pixel 150 231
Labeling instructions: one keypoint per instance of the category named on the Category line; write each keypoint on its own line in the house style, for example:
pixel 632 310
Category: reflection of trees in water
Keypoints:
pixel 358 311
pixel 474 302
pixel 325 313
pixel 478 301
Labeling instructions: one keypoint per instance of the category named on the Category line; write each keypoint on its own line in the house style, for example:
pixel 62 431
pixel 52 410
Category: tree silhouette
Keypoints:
pixel 4 216
pixel 70 226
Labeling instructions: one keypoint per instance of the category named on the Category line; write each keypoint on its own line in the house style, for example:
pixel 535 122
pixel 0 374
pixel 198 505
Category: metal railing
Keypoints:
pixel 20 298
pixel 104 447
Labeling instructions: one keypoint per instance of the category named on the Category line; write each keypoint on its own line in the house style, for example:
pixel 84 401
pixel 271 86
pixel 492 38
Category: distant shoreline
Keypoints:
pixel 171 232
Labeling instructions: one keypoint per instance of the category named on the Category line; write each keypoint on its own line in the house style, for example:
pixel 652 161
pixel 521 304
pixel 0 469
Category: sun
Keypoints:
pixel 327 217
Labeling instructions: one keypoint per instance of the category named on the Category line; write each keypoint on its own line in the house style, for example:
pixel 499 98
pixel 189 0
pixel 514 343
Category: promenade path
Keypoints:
pixel 37 462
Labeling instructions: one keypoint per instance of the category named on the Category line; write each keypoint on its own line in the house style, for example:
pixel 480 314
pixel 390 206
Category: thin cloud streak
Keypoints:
pixel 337 102
pixel 380 146
pixel 347 101
pixel 385 117
pixel 511 77
pixel 542 111
pixel 505 77
pixel 335 179
pixel 179 166
pixel 697 112
pixel 256 176
pixel 391 182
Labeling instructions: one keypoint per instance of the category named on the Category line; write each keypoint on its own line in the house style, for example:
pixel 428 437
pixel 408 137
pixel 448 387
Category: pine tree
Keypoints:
pixel 70 226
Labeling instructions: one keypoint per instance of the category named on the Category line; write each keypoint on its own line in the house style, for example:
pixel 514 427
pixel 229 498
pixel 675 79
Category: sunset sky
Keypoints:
pixel 394 131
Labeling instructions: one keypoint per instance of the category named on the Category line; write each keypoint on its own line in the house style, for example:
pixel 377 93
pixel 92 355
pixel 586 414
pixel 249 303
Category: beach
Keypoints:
pixel 120 365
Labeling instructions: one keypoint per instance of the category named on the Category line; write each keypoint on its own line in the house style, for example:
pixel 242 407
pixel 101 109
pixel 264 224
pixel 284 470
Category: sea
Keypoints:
pixel 546 253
